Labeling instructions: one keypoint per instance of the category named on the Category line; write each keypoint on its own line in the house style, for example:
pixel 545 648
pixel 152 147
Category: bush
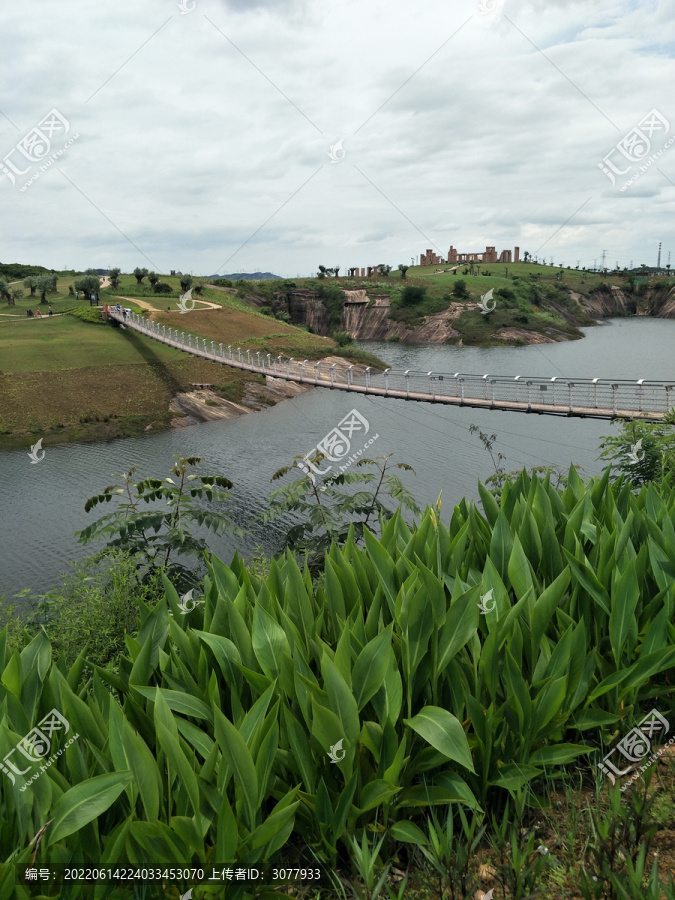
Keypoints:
pixel 342 338
pixel 87 314
pixel 161 287
pixel 394 339
pixel 222 282
pixel 460 290
pixel 413 294
pixel 266 311
pixel 282 315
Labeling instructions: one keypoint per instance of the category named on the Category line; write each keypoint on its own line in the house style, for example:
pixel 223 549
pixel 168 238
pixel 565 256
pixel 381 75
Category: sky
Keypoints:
pixel 221 136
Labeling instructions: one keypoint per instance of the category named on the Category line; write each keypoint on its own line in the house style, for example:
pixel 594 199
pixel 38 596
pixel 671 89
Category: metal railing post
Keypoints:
pixel 570 385
pixel 229 347
pixel 640 390
pixel 367 378
pixel 493 382
pixel 304 369
pixel 517 379
pixel 349 376
pixel 432 389
pixel 407 383
pixel 461 388
pixel 386 382
pixel 594 382
pixel 239 352
pixel 222 352
pixel 213 347
pixel 553 391
pixel 485 384
pixel 258 356
pixel 190 341
pixel 614 389
pixel 317 372
pixel 529 402
pixel 332 375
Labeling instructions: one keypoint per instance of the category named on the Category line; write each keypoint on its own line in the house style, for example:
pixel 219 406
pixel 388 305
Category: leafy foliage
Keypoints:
pixel 156 536
pixel 329 512
pixel 217 738
pixel 642 451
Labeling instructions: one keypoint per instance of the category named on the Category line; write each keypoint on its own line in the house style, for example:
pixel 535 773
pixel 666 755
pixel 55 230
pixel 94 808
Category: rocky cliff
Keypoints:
pixel 658 302
pixel 367 319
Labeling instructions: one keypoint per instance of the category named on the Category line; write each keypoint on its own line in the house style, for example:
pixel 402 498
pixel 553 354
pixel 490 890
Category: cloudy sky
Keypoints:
pixel 199 138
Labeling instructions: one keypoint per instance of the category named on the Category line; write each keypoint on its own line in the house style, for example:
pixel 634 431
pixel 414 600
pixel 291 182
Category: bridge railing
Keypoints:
pixel 533 392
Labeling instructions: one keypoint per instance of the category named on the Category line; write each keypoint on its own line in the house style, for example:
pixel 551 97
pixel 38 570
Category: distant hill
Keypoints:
pixel 247 276
pixel 19 271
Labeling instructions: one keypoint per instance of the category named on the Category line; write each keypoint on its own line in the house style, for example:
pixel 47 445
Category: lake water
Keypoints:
pixel 42 505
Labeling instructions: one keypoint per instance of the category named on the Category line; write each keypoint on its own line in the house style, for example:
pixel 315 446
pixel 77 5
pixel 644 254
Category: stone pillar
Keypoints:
pixel 516 254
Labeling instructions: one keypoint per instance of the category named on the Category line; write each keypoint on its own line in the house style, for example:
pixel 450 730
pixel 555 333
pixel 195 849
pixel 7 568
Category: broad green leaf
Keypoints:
pixel 85 802
pixel 444 732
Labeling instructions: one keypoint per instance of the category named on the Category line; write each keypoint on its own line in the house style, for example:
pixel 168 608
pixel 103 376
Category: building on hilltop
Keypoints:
pixel 488 256
pixel 431 259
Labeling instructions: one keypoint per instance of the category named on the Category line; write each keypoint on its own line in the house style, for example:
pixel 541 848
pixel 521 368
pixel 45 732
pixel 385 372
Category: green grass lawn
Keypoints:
pixel 67 343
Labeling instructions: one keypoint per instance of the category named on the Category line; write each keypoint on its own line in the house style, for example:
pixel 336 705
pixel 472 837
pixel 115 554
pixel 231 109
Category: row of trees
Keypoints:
pixel 186 281
pixel 382 269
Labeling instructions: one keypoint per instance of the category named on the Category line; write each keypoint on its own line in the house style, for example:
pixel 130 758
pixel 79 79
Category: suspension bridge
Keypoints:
pixel 595 398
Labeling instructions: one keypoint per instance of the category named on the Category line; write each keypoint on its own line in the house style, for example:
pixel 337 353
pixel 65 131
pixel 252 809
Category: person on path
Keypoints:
pixel 51 313
pixel 38 313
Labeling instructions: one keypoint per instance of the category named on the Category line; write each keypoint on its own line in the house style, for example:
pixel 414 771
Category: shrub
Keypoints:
pixel 342 338
pixel 394 338
pixel 460 290
pixel 413 294
pixel 266 311
pixel 282 315
pixel 161 287
pixel 222 282
pixel 87 314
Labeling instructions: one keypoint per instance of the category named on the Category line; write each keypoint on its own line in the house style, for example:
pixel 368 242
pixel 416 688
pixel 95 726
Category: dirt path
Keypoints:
pixel 145 305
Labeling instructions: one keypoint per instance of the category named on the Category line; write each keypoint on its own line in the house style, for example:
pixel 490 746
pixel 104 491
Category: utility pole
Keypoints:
pixel 604 255
pixel 658 262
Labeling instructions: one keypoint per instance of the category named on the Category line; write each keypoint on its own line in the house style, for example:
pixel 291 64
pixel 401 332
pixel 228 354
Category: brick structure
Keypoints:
pixel 488 256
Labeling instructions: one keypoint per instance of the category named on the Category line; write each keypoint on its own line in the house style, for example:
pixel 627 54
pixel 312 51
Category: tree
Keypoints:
pixel 329 512
pixel 154 535
pixel 114 276
pixel 30 282
pixel 526 256
pixel 460 290
pixel 322 272
pixel 413 294
pixel 88 284
pixel 161 287
pixel 139 274
pixel 153 278
pixel 403 269
pixel 336 270
pixel 4 290
pixel 185 283
pixel 46 284
pixel 383 270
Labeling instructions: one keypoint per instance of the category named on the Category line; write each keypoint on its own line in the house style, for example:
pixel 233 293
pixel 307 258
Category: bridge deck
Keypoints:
pixel 584 398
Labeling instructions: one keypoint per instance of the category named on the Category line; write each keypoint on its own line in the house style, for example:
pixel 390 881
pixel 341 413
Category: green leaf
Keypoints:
pixel 624 601
pixel 444 732
pixel 269 642
pixel 85 802
pixel 371 667
pixel 408 833
pixel 241 762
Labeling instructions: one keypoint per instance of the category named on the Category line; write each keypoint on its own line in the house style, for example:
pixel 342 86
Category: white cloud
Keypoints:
pixel 193 141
